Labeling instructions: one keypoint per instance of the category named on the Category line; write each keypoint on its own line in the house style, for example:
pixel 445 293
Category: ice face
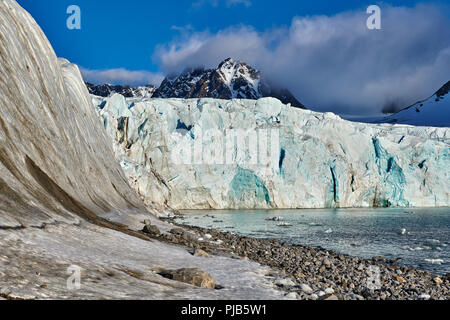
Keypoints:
pixel 320 161
pixel 55 158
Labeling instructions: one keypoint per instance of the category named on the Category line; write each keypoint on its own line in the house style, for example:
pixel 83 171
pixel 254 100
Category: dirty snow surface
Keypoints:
pixel 34 264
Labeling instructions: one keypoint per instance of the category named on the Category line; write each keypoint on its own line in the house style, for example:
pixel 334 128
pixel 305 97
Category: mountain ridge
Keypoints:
pixel 105 90
pixel 230 80
pixel 433 111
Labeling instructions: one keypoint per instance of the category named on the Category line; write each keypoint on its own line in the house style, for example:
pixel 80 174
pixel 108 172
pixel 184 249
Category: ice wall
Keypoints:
pixel 318 161
pixel 56 161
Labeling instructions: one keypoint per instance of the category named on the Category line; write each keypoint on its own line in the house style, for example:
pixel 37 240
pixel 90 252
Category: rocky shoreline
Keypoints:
pixel 307 273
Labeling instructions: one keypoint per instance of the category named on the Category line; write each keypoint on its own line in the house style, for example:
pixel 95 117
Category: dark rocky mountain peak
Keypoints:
pixel 231 80
pixel 105 90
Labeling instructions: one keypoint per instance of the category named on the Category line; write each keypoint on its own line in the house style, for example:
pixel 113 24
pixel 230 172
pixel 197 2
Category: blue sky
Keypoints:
pixel 124 34
pixel 151 38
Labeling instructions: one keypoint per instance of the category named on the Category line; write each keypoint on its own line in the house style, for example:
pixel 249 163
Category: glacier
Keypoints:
pixel 66 201
pixel 183 153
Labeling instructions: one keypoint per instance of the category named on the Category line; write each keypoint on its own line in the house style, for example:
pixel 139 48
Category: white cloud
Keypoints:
pixel 335 63
pixel 121 76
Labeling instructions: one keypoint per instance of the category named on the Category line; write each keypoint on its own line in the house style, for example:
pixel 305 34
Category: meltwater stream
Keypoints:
pixel 420 237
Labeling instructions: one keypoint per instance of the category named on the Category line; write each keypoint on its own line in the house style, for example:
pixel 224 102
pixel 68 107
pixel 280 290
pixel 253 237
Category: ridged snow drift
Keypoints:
pixel 56 161
pixel 319 160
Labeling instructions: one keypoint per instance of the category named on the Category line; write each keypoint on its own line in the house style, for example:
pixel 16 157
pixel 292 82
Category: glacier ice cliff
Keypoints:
pixel 54 154
pixel 64 199
pixel 186 154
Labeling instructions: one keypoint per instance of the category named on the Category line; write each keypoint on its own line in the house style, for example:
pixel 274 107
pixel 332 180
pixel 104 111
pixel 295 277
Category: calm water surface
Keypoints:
pixel 420 237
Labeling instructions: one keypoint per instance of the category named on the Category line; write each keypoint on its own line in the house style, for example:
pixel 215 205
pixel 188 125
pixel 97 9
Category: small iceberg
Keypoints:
pixel 275 219
pixel 432 242
pixel 403 231
pixel 284 224
pixel 434 261
pixel 328 231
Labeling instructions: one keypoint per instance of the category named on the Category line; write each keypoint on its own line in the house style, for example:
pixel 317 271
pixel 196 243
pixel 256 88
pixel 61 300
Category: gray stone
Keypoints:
pixel 306 289
pixel 285 283
pixel 424 296
pixel 329 297
pixel 177 231
pixel 329 290
pixel 201 253
pixel 193 276
pixel 151 230
pixel 292 296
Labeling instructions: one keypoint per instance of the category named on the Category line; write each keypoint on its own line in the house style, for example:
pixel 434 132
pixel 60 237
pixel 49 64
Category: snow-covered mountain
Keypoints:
pixel 231 80
pixel 105 90
pixel 434 111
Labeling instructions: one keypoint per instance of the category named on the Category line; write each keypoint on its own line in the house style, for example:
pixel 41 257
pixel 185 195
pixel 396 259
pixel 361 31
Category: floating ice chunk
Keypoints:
pixel 329 231
pixel 403 231
pixel 314 224
pixel 285 224
pixel 275 219
pixel 432 243
pixel 434 261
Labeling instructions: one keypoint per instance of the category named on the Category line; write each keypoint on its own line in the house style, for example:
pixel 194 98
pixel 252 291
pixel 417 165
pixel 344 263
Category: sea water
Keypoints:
pixel 419 237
